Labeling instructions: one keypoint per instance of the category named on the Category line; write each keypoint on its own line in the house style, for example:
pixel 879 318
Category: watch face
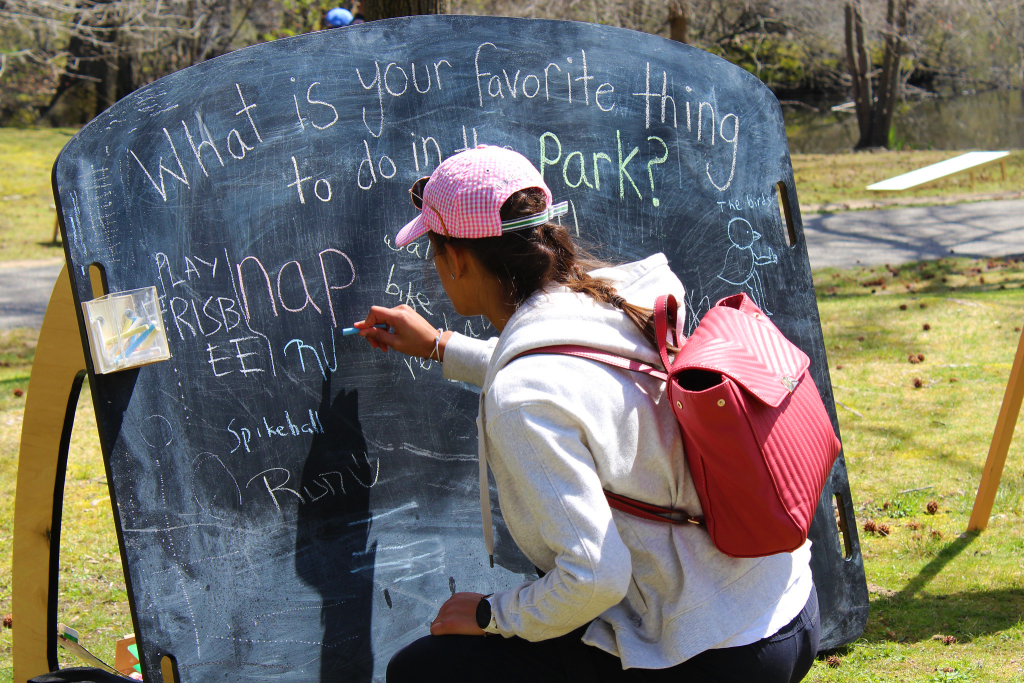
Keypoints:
pixel 483 613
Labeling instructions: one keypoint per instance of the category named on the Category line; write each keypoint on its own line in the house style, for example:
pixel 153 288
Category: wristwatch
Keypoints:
pixel 485 616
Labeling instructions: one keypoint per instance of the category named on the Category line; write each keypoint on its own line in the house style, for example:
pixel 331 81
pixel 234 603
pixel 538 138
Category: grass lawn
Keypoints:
pixel 944 606
pixel 837 181
pixel 832 181
pixel 26 198
pixel 917 433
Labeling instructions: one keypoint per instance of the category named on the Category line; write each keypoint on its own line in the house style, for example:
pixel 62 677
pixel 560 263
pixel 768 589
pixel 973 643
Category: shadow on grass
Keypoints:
pixel 913 614
pixel 938 563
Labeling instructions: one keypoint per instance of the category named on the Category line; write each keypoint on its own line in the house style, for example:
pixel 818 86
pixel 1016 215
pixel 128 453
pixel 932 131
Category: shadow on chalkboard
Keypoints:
pixel 331 553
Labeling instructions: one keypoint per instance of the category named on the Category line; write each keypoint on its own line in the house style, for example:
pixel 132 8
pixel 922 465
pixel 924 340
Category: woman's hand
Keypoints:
pixel 408 332
pixel 457 616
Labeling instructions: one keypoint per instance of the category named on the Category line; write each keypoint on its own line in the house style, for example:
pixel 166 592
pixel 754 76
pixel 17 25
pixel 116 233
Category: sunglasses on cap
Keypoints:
pixel 553 211
pixel 416 192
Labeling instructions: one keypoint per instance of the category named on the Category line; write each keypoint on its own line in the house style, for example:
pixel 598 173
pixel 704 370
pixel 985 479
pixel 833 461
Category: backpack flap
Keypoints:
pixel 737 340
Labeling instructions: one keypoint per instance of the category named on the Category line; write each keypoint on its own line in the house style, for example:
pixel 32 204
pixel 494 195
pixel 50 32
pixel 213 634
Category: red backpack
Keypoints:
pixel 758 440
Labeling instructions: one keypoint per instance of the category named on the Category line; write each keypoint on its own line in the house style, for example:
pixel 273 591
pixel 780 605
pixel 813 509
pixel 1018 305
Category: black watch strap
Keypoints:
pixel 483 613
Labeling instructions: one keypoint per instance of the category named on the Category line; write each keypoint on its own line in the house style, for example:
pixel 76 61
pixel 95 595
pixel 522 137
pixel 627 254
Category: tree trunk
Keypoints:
pixel 679 21
pixel 888 82
pixel 875 109
pixel 859 63
pixel 125 76
pixel 90 63
pixel 386 9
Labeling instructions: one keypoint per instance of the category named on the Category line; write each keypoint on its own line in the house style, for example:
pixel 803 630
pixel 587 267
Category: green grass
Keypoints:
pixel 837 181
pixel 26 200
pixel 925 578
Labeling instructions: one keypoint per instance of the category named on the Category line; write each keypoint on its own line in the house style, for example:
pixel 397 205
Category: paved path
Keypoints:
pixel 25 288
pixel 840 239
pixel 915 234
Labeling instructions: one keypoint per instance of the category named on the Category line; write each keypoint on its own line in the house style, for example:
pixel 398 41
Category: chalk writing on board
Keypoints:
pixel 744 258
pixel 322 189
pixel 274 426
pixel 275 482
pixel 323 361
pixel 397 86
pixel 499 81
pixel 223 315
pixel 234 144
pixel 405 294
pixel 419 248
pixel 417 363
pixel 324 123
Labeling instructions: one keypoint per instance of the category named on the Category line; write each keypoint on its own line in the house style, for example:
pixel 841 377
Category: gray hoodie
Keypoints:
pixel 555 431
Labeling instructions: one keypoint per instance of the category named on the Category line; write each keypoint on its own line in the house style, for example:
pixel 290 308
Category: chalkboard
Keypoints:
pixel 292 505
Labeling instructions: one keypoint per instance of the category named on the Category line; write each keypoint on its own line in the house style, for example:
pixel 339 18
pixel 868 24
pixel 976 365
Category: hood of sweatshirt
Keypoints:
pixel 559 316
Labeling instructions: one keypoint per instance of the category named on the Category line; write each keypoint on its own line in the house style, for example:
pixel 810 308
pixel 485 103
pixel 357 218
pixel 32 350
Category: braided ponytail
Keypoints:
pixel 526 261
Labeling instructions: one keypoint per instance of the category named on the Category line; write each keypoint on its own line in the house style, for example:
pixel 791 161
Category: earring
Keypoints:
pixel 453 276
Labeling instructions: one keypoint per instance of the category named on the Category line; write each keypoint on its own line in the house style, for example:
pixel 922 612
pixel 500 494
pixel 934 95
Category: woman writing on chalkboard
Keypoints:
pixel 621 598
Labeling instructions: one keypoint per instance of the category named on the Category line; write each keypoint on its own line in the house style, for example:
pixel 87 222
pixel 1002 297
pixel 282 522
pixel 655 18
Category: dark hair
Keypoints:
pixel 526 261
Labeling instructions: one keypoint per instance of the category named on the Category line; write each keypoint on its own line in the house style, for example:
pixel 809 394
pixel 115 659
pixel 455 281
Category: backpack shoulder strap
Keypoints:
pixel 653 513
pixel 605 357
pixel 618 502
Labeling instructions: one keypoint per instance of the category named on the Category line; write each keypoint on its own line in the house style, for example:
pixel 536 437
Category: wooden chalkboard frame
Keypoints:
pixel 307 144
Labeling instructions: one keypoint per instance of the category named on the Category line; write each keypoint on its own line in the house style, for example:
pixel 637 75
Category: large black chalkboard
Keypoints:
pixel 292 505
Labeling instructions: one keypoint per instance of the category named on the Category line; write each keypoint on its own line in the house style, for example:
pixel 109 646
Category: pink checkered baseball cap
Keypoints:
pixel 464 194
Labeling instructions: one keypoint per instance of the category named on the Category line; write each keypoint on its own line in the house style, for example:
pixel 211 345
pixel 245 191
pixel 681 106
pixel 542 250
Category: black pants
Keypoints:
pixel 785 657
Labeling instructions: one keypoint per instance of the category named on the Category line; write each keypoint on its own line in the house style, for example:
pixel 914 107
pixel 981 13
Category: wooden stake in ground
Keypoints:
pixel 1000 444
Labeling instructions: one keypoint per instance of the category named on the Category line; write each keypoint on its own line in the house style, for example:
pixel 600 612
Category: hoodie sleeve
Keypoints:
pixel 554 474
pixel 465 358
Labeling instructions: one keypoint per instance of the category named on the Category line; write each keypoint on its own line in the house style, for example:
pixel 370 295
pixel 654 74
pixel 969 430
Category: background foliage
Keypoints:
pixel 64 61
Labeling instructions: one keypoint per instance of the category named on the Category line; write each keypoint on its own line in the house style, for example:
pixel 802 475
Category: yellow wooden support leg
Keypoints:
pixel 57 374
pixel 1000 444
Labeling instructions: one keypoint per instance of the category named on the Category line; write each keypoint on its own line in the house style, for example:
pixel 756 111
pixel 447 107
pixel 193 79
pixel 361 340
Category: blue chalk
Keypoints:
pixel 355 330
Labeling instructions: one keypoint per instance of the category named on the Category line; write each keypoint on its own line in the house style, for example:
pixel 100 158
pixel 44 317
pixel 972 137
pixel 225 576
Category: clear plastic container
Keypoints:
pixel 126 330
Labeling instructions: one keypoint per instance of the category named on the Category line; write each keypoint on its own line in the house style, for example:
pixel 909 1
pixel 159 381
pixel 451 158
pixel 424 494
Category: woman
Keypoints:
pixel 621 598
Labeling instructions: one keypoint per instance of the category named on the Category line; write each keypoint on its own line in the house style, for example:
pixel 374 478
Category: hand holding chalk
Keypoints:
pixel 408 332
